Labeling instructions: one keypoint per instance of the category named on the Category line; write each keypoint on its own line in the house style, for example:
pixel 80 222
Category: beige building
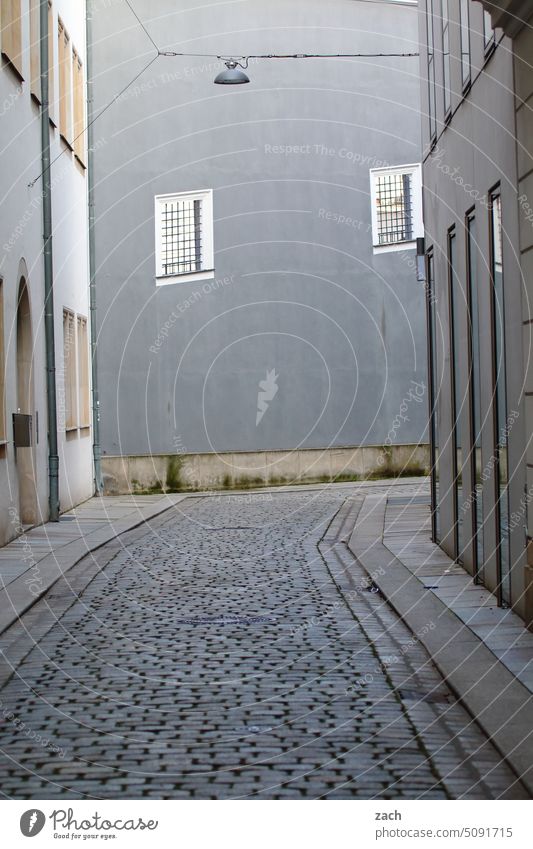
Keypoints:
pixel 25 453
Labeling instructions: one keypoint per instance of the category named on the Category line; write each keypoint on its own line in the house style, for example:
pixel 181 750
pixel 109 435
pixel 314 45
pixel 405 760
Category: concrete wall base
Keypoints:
pixel 236 470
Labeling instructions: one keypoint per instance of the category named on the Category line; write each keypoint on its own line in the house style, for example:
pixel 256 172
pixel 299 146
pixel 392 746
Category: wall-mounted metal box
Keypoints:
pixel 22 430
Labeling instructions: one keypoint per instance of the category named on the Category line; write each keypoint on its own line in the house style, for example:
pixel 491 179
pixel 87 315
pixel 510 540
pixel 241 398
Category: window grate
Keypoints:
pixel 394 204
pixel 181 236
pixel 184 247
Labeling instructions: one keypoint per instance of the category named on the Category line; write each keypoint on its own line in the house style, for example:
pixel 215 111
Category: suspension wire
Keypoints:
pixel 223 58
pixel 265 55
pixel 288 55
pixel 132 10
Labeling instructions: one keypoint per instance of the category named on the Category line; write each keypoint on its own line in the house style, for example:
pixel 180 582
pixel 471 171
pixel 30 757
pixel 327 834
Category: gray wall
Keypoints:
pixel 472 154
pixel 344 330
pixel 523 50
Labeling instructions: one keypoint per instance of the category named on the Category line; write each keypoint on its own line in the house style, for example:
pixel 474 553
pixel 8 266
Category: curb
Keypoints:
pixel 496 700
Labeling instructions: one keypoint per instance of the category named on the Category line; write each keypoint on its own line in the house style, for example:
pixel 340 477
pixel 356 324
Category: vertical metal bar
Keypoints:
pixel 408 207
pixel 197 236
pixel 97 454
pixel 431 354
pixel 53 456
pixel 452 341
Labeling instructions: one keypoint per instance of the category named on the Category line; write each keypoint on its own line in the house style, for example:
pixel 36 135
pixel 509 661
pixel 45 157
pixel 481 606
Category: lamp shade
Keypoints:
pixel 231 75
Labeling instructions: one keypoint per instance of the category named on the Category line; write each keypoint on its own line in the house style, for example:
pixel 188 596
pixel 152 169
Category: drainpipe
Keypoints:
pixel 98 481
pixel 53 457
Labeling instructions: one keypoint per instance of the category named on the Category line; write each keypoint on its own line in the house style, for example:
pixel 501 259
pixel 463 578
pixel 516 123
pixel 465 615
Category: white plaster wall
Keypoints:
pixel 71 270
pixel 21 244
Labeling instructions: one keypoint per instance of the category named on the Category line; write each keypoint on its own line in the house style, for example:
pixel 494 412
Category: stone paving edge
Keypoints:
pixel 500 704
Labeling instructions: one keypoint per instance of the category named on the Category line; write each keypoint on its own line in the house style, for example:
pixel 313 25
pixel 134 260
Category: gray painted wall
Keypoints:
pixel 472 155
pixel 523 49
pixel 296 290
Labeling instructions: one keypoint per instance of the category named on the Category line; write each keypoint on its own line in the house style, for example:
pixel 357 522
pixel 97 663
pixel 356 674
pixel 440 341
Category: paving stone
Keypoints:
pixel 233 650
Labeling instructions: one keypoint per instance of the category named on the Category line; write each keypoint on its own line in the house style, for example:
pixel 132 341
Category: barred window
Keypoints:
pixel 393 201
pixel 184 235
pixel 396 206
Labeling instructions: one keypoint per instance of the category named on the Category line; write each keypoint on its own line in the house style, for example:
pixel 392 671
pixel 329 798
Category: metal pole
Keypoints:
pixel 53 457
pixel 98 481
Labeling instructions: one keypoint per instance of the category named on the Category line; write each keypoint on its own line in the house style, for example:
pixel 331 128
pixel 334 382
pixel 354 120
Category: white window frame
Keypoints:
pixel 489 33
pixel 70 371
pixel 207 271
pixel 415 170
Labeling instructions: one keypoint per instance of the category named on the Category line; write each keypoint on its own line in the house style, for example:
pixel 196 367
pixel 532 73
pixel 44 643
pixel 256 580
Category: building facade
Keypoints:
pixel 515 17
pixel 24 443
pixel 476 243
pixel 259 316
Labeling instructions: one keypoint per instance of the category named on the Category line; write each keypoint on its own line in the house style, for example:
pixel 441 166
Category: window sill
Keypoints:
pixel 169 279
pixel 10 63
pixel 489 50
pixel 66 141
pixel 396 246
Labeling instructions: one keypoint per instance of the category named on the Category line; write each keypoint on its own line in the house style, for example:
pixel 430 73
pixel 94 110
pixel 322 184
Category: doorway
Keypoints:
pixel 25 457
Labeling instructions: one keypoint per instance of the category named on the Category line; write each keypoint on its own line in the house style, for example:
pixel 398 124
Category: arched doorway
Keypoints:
pixel 25 457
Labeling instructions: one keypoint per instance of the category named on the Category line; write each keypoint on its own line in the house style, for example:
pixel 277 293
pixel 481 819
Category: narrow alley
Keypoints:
pixel 234 648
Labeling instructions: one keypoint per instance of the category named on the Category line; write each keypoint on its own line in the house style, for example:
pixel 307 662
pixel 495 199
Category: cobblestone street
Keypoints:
pixel 234 649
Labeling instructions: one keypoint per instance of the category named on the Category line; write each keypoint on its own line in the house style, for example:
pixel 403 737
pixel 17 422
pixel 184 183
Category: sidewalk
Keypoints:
pixel 484 652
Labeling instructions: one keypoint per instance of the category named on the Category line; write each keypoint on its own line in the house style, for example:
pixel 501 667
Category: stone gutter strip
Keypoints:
pixel 22 593
pixel 494 697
